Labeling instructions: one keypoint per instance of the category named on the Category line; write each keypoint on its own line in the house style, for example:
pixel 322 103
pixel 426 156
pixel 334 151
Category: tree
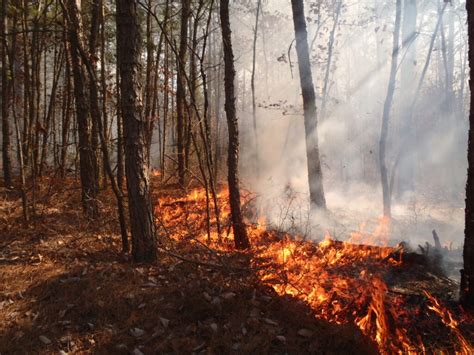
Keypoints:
pixel 180 88
pixel 6 131
pixel 467 274
pixel 240 233
pixel 386 188
pixel 88 160
pixel 135 130
pixel 315 174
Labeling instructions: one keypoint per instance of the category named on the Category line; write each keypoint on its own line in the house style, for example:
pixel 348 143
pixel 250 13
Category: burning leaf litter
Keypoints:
pixel 342 282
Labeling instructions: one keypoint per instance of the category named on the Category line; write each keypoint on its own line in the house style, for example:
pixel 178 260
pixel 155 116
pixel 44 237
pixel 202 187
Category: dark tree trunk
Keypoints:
pixel 96 7
pixel 103 82
pixel 6 131
pixel 135 130
pixel 66 119
pixel 120 149
pixel 240 233
pixel 14 69
pixel 180 89
pixel 467 274
pixel 149 76
pixel 86 154
pixel 315 175
pixel 386 114
pixel 88 61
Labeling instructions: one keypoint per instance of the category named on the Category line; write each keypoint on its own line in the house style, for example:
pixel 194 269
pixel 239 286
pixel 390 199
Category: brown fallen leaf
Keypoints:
pixel 44 339
pixel 165 322
pixel 137 332
pixel 270 322
pixel 228 295
pixel 306 333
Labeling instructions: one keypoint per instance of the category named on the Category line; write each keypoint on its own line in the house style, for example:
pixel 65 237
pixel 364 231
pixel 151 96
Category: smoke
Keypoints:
pixel 433 161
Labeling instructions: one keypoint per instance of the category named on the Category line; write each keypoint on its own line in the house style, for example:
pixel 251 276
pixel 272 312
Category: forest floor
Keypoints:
pixel 65 286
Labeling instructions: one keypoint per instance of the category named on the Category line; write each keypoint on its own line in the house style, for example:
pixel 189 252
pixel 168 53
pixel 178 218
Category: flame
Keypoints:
pixel 343 282
pixel 450 321
pixel 380 236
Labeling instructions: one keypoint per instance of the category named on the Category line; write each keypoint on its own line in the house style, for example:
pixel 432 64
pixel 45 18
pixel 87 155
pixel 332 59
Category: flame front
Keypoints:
pixel 343 282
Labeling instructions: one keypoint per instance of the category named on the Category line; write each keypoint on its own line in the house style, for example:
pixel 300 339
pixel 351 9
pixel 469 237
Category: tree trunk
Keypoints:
pixel 252 85
pixel 180 89
pixel 14 70
pixel 66 119
pixel 149 76
pixel 315 175
pixel 240 233
pixel 135 130
pixel 120 149
pixel 386 113
pixel 96 7
pixel 467 274
pixel 86 153
pixel 6 131
pixel 103 81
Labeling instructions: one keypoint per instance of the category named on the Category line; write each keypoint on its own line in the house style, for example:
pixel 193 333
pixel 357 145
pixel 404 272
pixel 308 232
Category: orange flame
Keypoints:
pixel 343 282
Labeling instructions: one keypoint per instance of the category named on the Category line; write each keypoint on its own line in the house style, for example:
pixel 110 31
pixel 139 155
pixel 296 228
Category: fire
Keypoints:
pixel 343 282
pixel 449 320
pixel 286 253
pixel 376 319
pixel 380 236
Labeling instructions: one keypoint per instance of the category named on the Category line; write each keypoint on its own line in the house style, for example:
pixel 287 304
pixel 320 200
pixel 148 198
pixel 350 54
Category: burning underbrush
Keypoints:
pixel 392 295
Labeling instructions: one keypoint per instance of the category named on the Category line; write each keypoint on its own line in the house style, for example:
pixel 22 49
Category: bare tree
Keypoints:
pixel 6 131
pixel 386 113
pixel 88 160
pixel 135 131
pixel 180 88
pixel 240 233
pixel 315 174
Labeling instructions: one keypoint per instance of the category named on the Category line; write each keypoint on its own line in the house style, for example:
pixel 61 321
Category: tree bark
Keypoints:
pixel 240 233
pixel 135 130
pixel 315 175
pixel 87 157
pixel 180 89
pixel 66 119
pixel 14 70
pixel 93 93
pixel 6 131
pixel 467 274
